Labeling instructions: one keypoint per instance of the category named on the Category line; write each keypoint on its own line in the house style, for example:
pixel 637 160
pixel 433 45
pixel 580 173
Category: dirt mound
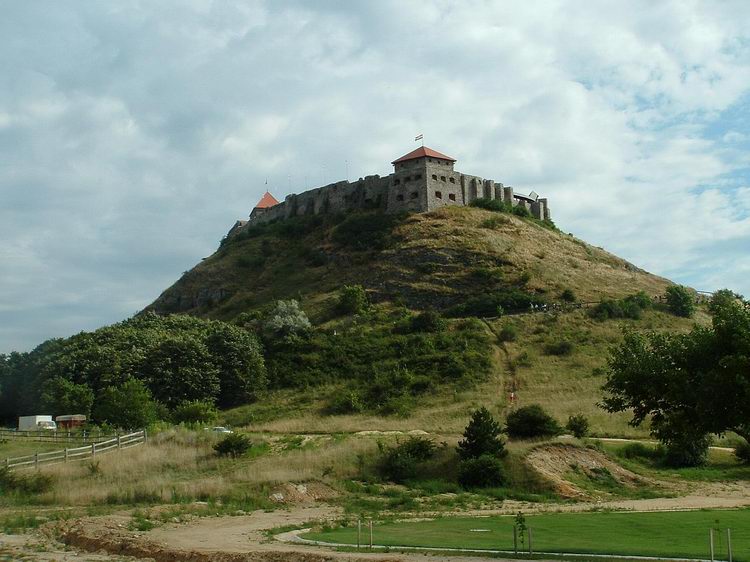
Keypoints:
pixel 302 493
pixel 558 463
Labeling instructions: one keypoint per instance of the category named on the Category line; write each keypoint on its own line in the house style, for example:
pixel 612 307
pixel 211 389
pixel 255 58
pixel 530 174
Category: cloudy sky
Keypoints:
pixel 133 134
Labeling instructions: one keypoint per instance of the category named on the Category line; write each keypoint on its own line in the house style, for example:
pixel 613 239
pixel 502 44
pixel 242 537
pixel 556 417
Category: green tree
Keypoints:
pixel 687 385
pixel 286 319
pixel 242 369
pixel 680 301
pixel 129 406
pixel 62 396
pixel 353 299
pixel 481 437
pixel 181 368
pixel 194 411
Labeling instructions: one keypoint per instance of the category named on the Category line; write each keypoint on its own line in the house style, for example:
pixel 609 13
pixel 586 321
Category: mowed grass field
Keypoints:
pixel 668 534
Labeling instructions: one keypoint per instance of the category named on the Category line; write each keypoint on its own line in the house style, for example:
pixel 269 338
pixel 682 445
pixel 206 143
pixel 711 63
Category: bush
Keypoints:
pixel 481 437
pixel 531 421
pixel 640 451
pixel 24 483
pixel 742 452
pixel 367 231
pixel 521 211
pixel 353 299
pixel 578 425
pixel 568 296
pixel 285 319
pixel 345 402
pixel 495 303
pixel 401 462
pixel 429 321
pixel 686 450
pixel 194 411
pixel 496 205
pixel 562 347
pixel 508 332
pixel 128 406
pixel 679 301
pixel 481 472
pixel 233 445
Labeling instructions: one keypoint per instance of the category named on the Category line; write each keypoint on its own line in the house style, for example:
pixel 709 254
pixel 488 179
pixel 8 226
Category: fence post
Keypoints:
pixel 531 551
pixel 36 460
pixel 711 542
pixel 144 436
pixel 65 451
pixel 119 445
pixel 729 543
pixel 359 532
pixel 515 540
pixel 93 449
pixel 370 534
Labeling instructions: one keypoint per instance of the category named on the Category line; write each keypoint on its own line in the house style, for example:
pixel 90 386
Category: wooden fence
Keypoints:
pixel 77 453
pixel 48 436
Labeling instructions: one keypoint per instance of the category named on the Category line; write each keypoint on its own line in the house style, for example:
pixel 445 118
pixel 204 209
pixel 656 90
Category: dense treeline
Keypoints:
pixel 155 362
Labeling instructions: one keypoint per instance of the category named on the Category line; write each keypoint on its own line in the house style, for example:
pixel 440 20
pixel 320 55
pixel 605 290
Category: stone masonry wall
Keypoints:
pixel 415 186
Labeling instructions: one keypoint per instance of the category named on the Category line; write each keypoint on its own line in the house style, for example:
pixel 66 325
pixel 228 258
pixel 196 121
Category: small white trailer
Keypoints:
pixel 36 423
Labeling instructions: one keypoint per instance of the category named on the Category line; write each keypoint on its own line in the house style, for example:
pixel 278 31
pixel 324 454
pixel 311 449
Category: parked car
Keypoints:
pixel 218 429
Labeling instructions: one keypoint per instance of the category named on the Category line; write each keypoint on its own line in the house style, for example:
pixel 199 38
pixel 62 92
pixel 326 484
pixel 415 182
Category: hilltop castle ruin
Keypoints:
pixel 423 180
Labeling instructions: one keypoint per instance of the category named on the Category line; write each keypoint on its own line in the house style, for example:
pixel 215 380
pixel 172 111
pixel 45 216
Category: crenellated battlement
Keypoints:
pixel 422 181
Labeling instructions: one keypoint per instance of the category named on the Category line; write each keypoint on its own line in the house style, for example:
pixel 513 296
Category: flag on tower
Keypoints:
pixel 419 137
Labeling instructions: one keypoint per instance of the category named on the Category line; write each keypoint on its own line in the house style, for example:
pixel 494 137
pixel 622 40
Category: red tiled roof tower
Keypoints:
pixel 266 201
pixel 423 152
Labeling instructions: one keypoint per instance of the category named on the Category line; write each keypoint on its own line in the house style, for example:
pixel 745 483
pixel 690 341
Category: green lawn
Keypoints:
pixel 670 534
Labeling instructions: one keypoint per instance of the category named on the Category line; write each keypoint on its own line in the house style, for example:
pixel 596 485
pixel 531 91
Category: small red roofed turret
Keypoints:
pixel 266 201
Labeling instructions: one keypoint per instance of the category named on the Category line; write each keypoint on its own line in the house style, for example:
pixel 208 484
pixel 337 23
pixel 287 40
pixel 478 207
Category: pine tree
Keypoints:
pixel 481 437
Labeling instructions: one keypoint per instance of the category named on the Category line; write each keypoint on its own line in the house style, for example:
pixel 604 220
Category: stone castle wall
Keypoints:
pixel 416 186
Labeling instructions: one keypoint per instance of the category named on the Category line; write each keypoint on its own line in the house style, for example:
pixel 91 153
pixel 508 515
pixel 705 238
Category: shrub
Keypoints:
pixel 742 452
pixel 481 472
pixel 531 421
pixel 195 411
pixel 367 231
pixel 508 332
pixel 640 450
pixel 495 303
pixel 285 319
pixel 521 211
pixel 494 222
pixel 686 450
pixel 481 436
pixel 353 299
pixel 233 445
pixel 578 425
pixel 568 295
pixel 631 306
pixel 345 402
pixel 429 321
pixel 24 483
pixel 496 205
pixel 679 301
pixel 562 347
pixel 401 462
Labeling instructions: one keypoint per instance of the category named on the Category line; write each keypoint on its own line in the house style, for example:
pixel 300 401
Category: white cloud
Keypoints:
pixel 132 135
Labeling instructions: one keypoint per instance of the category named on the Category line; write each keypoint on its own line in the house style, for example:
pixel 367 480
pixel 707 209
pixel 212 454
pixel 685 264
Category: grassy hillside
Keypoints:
pixel 423 260
pixel 441 260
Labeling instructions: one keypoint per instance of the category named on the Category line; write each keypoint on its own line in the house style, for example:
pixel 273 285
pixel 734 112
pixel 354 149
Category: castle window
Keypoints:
pixel 434 177
pixel 414 194
pixel 418 177
pixel 399 197
pixel 452 196
pixel 396 182
pixel 439 194
pixel 452 180
pixel 407 179
pixel 442 178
